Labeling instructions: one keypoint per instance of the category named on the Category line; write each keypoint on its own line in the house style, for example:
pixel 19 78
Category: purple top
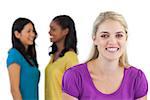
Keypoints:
pixel 78 83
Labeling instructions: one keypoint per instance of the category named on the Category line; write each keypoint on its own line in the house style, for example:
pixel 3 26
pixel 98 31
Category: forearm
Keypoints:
pixel 16 94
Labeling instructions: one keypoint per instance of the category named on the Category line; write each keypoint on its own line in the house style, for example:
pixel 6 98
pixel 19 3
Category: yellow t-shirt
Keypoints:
pixel 54 73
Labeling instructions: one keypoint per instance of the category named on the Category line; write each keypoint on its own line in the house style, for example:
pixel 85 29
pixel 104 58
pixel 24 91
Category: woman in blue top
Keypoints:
pixel 22 62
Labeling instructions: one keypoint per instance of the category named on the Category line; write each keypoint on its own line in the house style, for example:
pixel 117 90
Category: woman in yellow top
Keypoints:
pixel 63 55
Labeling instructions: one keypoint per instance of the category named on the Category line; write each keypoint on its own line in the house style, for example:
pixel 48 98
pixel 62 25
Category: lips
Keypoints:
pixel 51 37
pixel 31 38
pixel 112 49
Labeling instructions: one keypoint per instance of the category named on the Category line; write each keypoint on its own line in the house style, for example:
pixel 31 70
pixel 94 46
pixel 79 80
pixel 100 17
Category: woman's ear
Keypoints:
pixel 94 40
pixel 65 31
pixel 126 37
pixel 17 34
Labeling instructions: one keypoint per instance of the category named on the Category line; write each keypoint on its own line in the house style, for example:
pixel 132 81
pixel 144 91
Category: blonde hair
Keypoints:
pixel 109 15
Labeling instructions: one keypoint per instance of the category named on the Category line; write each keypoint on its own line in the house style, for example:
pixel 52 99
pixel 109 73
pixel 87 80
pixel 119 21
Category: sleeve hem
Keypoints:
pixel 141 96
pixel 71 94
pixel 12 63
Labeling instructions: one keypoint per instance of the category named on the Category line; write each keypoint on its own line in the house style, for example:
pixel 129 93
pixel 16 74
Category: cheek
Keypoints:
pixel 97 41
pixel 58 36
pixel 24 34
pixel 57 32
pixel 102 43
pixel 123 46
pixel 123 43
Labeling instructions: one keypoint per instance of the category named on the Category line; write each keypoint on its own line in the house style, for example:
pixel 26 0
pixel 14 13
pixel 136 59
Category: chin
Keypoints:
pixel 31 43
pixel 52 40
pixel 112 57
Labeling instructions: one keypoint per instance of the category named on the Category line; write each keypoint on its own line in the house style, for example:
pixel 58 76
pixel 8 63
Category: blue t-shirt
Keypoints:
pixel 29 75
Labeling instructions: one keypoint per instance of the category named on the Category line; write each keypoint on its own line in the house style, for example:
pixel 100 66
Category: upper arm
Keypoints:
pixel 141 86
pixel 72 83
pixel 66 96
pixel 14 75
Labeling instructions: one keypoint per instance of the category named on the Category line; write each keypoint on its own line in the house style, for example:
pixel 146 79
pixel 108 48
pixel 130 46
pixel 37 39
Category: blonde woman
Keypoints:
pixel 107 74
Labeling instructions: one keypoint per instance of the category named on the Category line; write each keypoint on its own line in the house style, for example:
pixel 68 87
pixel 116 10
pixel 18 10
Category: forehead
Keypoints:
pixel 110 25
pixel 54 23
pixel 28 26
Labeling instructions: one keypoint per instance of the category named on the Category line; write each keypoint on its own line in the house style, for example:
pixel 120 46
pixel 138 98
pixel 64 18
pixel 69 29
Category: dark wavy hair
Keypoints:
pixel 30 54
pixel 66 21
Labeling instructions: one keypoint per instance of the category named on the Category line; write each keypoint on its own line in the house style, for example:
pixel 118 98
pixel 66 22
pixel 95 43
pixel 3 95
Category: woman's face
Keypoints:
pixel 110 39
pixel 27 35
pixel 56 33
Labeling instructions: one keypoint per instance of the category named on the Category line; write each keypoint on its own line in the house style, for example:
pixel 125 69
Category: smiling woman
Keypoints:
pixel 21 61
pixel 110 39
pixel 107 74
pixel 63 55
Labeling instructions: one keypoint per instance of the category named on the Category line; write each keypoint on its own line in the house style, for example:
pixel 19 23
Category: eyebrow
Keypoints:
pixel 120 32
pixel 103 32
pixel 106 32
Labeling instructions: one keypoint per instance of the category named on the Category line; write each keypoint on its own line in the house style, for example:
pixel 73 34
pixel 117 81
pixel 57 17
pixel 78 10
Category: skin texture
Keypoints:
pixel 14 73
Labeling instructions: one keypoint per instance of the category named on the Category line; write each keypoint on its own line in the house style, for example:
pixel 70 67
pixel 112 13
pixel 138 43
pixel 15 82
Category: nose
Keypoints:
pixel 32 34
pixel 112 40
pixel 50 32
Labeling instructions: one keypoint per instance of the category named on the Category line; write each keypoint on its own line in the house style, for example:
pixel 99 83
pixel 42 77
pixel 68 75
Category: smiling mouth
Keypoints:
pixel 51 37
pixel 31 39
pixel 112 49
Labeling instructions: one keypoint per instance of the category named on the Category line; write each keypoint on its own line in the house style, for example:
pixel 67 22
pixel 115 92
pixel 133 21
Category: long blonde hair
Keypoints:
pixel 123 61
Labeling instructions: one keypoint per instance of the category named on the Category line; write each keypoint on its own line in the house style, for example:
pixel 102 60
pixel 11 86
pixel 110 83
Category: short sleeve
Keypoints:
pixel 71 59
pixel 71 83
pixel 141 85
pixel 13 57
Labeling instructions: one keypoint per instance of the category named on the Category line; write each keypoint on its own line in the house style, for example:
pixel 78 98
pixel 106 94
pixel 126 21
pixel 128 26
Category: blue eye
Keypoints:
pixel 119 35
pixel 104 36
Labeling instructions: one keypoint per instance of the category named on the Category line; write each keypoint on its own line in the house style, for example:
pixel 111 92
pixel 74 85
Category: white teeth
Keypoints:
pixel 112 49
pixel 51 37
pixel 31 39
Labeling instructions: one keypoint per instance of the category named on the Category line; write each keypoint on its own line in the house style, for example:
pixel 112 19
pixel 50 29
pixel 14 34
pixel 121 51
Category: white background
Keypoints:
pixel 84 12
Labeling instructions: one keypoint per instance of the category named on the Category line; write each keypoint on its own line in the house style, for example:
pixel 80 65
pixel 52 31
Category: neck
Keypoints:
pixel 60 46
pixel 106 66
pixel 26 48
